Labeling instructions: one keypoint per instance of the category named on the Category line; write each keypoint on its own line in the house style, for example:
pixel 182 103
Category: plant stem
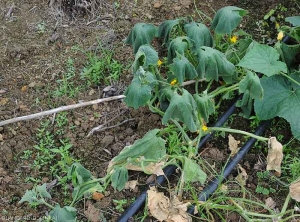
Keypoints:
pixel 221 90
pixel 188 140
pixel 196 86
pixel 238 131
pixel 47 204
pixel 290 78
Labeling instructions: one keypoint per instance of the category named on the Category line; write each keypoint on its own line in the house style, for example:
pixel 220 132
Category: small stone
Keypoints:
pixel 177 8
pixel 95 106
pixel 31 85
pixel 77 123
pixel 1 137
pixel 107 140
pixel 149 16
pixel 157 5
pixel 91 92
pixel 129 132
pixel 1 129
pixel 39 85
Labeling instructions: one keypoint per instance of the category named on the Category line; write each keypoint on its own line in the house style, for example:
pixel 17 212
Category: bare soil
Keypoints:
pixel 37 37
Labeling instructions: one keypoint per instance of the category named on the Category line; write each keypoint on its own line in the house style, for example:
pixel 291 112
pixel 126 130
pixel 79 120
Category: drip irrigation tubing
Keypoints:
pixel 214 184
pixel 169 170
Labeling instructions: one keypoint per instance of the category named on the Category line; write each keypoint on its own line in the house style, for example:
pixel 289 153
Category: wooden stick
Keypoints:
pixel 60 109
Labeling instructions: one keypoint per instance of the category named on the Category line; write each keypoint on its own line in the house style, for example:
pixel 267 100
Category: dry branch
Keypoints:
pixel 60 109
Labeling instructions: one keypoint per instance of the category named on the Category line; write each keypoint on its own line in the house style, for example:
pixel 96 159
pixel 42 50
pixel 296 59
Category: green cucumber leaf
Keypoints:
pixel 78 174
pixel 212 64
pixel 145 57
pixel 289 52
pixel 264 59
pixel 87 188
pixel 182 69
pixel 205 105
pixel 182 107
pixel 235 55
pixel 252 89
pixel 192 172
pixel 139 92
pixel 200 34
pixel 165 29
pixel 149 147
pixel 294 20
pixel 281 98
pixel 65 214
pixel 140 34
pixel 227 19
pixel 119 177
pixel 178 46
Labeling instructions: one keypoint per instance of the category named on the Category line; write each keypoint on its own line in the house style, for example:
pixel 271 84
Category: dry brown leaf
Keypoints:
pixel 131 185
pixel 233 145
pixel 92 213
pixel 164 209
pixel 97 196
pixel 270 203
pixel 154 168
pixel 24 88
pixel 295 190
pixel 242 176
pixel 275 156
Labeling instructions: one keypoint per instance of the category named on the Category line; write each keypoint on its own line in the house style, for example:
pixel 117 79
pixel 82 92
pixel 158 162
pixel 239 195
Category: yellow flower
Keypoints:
pixel 204 128
pixel 234 39
pixel 159 62
pixel 277 25
pixel 174 81
pixel 280 36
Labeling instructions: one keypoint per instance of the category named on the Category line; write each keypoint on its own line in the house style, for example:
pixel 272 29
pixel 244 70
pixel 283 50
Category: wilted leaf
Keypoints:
pixel 242 176
pixel 165 29
pixel 279 92
pixel 192 172
pixel 139 92
pixel 233 145
pixel 213 64
pixel 145 57
pixel 178 46
pixel 182 108
pixel 264 59
pixel 227 19
pixel 289 52
pixel 270 203
pixel 295 190
pixel 150 168
pixel 164 209
pixel 205 105
pixel 78 174
pixel 141 34
pixel 200 34
pixel 182 69
pixel 65 214
pixel 275 156
pixel 92 213
pixel 119 177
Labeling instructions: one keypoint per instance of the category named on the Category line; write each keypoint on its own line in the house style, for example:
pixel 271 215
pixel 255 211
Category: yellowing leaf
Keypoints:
pixel 275 156
pixel 295 190
pixel 164 209
pixel 233 145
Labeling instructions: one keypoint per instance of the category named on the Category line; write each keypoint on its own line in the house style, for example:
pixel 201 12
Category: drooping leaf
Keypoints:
pixel 65 214
pixel 86 188
pixel 264 59
pixel 139 91
pixel 252 89
pixel 145 57
pixel 192 171
pixel 140 34
pixel 182 69
pixel 78 174
pixel 227 19
pixel 149 147
pixel 294 20
pixel 119 178
pixel 205 105
pixel 281 98
pixel 178 46
pixel 289 52
pixel 200 34
pixel 165 29
pixel 212 64
pixel 182 107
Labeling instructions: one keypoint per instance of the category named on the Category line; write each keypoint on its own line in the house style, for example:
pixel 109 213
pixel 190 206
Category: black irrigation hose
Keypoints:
pixel 169 170
pixel 213 185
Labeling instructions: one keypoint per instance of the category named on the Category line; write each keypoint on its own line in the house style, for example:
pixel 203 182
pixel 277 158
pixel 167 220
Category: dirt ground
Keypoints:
pixel 36 39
